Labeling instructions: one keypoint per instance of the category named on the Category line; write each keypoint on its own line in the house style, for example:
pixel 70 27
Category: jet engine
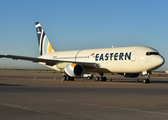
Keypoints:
pixel 131 75
pixel 73 70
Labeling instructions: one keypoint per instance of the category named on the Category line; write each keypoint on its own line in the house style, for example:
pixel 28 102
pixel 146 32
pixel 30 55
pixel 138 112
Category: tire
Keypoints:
pixel 64 78
pixel 146 81
pixel 101 78
pixel 96 78
pixel 104 78
pixel 72 78
pixel 88 78
pixel 68 78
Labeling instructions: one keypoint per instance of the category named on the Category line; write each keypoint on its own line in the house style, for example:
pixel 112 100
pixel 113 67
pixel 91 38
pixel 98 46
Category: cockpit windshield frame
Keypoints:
pixel 152 53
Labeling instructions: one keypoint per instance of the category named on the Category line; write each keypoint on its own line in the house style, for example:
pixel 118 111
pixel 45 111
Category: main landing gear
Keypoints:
pixel 101 78
pixel 146 79
pixel 68 78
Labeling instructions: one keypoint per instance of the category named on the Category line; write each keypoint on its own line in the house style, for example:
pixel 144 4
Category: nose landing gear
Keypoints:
pixel 146 79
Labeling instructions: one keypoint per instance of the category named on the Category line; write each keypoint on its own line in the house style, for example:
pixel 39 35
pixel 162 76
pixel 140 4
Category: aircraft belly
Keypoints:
pixel 121 67
pixel 98 70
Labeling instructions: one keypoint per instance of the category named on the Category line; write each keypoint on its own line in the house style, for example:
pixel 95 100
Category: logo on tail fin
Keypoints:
pixel 43 41
pixel 38 31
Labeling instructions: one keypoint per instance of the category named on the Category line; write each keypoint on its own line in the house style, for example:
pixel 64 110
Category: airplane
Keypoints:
pixel 127 61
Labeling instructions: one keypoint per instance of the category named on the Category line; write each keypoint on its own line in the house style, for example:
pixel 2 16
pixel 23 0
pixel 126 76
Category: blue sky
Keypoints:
pixel 81 24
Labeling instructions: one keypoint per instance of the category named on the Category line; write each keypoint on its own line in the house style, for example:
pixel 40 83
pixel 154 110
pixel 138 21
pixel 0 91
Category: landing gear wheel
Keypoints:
pixel 72 78
pixel 64 78
pixel 101 79
pixel 96 78
pixel 68 78
pixel 105 79
pixel 147 75
pixel 146 81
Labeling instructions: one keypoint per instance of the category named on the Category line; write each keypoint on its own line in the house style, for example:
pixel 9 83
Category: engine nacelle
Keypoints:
pixel 73 70
pixel 131 75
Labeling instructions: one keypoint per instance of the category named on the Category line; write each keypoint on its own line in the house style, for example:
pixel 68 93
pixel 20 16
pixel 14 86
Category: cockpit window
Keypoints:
pixel 152 53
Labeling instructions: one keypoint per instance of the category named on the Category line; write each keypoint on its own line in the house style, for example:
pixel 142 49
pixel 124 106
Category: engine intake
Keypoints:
pixel 73 70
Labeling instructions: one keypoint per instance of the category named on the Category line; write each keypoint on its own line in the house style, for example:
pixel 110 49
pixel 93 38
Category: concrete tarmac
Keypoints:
pixel 41 96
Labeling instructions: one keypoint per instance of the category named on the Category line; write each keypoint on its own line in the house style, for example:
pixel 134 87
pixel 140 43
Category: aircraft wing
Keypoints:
pixel 49 62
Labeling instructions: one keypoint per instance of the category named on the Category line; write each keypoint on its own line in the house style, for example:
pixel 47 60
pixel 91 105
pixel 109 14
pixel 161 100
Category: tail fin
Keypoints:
pixel 43 41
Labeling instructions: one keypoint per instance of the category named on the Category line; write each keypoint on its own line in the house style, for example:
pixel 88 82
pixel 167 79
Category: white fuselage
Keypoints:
pixel 120 59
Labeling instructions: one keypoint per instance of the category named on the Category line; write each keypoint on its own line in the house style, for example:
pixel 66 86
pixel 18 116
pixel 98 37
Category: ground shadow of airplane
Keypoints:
pixel 10 85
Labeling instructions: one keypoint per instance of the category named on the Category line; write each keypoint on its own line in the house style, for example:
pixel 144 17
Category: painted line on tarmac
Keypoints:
pixel 94 105
pixel 16 106
pixel 26 108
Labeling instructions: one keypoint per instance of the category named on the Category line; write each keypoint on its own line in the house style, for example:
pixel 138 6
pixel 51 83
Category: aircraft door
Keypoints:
pixel 133 56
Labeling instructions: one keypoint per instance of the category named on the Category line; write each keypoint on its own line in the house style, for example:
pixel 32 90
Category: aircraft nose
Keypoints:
pixel 160 61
